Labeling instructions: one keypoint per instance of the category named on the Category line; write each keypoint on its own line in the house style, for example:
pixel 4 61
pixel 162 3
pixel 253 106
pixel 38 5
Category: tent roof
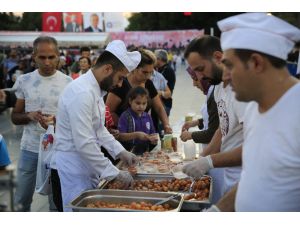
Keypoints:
pixel 64 39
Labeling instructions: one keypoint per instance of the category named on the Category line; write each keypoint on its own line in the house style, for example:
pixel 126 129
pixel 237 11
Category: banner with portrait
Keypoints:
pixel 93 22
pixel 104 22
pixel 72 21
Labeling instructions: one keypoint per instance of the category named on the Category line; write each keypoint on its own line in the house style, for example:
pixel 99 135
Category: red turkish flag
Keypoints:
pixel 52 21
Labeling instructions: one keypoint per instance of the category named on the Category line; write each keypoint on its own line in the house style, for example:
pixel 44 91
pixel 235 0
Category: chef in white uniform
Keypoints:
pixel 80 130
pixel 255 48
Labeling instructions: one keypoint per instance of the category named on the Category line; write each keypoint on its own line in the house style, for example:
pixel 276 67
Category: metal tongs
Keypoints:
pixel 167 199
pixel 192 184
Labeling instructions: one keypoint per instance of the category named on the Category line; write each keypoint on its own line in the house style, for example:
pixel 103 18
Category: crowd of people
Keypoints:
pixel 117 105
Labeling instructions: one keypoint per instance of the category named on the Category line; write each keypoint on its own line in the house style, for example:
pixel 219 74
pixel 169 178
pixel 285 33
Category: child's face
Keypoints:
pixel 139 104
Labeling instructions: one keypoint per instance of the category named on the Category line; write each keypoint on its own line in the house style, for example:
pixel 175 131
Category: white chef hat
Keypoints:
pixel 259 32
pixel 129 59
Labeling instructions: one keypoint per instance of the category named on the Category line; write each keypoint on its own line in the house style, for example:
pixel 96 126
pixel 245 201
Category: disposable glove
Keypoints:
pixel 128 158
pixel 199 167
pixel 124 179
pixel 213 208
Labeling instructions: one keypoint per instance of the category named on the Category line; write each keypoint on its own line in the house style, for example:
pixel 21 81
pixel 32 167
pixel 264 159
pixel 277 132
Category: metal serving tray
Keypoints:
pixel 121 196
pixel 188 205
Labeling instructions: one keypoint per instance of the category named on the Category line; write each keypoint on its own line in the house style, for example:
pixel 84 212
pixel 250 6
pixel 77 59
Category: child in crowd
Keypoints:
pixel 135 125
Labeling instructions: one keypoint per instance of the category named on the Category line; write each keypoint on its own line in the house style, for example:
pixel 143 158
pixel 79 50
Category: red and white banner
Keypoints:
pixel 157 39
pixel 52 21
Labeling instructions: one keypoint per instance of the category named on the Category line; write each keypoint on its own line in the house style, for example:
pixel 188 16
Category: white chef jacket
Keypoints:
pixel 80 132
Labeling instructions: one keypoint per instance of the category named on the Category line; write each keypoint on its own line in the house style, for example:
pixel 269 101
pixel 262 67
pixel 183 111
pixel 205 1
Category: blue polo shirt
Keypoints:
pixel 129 122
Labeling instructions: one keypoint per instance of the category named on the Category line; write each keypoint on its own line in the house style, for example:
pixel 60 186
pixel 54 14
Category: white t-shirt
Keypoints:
pixel 39 93
pixel 270 180
pixel 231 116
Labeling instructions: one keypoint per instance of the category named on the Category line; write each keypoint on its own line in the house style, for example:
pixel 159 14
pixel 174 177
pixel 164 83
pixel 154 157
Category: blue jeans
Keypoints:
pixel 26 178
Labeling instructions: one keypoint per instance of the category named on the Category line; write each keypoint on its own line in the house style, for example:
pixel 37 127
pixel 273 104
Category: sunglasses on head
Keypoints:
pixel 192 73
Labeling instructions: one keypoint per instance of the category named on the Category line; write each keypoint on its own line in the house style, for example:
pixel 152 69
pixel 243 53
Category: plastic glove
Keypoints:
pixel 128 158
pixel 124 179
pixel 213 208
pixel 199 167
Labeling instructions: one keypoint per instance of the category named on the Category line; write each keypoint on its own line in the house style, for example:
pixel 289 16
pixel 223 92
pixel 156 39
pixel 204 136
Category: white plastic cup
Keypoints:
pixel 189 149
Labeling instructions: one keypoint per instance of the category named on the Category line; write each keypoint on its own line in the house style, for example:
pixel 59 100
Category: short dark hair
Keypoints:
pixel 108 58
pixel 146 59
pixel 135 92
pixel 87 58
pixel 44 39
pixel 244 56
pixel 205 46
pixel 85 49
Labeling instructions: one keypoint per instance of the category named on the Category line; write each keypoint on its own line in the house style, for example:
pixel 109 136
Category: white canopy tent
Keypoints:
pixel 25 39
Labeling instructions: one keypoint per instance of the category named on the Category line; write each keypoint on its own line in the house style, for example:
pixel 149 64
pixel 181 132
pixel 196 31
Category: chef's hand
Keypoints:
pixel 185 135
pixel 125 179
pixel 213 208
pixel 128 158
pixel 199 167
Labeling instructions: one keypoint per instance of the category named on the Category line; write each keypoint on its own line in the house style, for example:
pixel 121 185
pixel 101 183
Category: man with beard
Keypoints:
pixel 204 56
pixel 80 130
pixel 256 47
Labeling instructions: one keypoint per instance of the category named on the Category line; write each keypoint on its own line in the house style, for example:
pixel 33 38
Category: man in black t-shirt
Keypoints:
pixel 166 70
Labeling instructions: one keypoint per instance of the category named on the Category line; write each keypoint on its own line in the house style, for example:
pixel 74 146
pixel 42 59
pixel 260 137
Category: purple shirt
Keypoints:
pixel 142 123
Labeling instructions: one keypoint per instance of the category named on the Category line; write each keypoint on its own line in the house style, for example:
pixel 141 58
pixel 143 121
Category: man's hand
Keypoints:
pixel 199 167
pixel 187 125
pixel 185 135
pixel 125 179
pixel 35 116
pixel 168 129
pixel 128 158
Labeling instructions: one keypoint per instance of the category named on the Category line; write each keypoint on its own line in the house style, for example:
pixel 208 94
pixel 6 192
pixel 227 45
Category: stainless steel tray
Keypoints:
pixel 122 196
pixel 158 177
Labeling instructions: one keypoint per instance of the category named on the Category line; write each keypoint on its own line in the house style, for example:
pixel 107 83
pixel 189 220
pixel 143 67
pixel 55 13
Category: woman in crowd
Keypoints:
pixel 85 64
pixel 116 99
